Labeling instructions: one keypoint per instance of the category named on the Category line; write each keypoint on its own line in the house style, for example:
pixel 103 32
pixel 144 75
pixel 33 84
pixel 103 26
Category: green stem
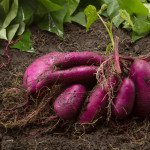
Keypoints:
pixel 109 32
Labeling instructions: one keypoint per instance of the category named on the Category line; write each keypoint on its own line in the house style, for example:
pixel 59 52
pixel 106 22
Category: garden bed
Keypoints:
pixel 112 135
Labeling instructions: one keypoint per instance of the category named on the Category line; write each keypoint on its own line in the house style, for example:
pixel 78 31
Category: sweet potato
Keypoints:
pixel 48 69
pixel 78 59
pixel 97 101
pixel 140 73
pixel 68 102
pixel 36 80
pixel 124 101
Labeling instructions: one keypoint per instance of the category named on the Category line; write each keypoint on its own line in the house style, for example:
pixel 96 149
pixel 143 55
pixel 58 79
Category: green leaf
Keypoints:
pixel 26 10
pixel 71 7
pixel 133 6
pixel 84 3
pixel 12 14
pixel 126 16
pixel 11 31
pixel 103 8
pixel 21 28
pixel 81 7
pixel 73 4
pixel 113 11
pixel 141 26
pixel 79 18
pixel 24 44
pixel 117 21
pixel 127 26
pixel 147 6
pixel 112 8
pixel 91 14
pixel 143 1
pixel 5 4
pixel 40 12
pixel 53 22
pixel 2 15
pixel 108 47
pixel 136 36
pixel 3 34
pixel 50 5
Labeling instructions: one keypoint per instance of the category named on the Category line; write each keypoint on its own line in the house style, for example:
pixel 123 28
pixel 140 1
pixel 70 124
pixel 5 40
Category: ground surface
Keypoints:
pixel 105 136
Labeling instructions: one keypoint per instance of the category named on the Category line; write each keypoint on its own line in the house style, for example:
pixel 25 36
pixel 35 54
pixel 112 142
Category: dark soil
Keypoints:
pixel 105 135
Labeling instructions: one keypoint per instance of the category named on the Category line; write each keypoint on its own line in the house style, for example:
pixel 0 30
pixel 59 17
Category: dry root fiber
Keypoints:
pixel 14 114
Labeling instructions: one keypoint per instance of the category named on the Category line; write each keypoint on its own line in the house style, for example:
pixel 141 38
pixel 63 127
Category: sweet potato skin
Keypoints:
pixel 78 59
pixel 55 67
pixel 124 101
pixel 140 73
pixel 97 103
pixel 68 76
pixel 67 104
pixel 98 100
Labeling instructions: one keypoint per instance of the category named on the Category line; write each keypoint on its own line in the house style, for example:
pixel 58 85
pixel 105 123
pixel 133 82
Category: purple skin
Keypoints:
pixel 49 78
pixel 97 103
pixel 78 59
pixel 140 73
pixel 124 101
pixel 69 102
pixel 36 69
pixel 112 82
pixel 45 66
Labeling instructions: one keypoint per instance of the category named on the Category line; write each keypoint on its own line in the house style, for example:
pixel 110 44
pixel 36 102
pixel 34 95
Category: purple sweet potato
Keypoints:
pixel 49 78
pixel 97 101
pixel 78 59
pixel 124 101
pixel 47 70
pixel 68 102
pixel 140 73
pixel 37 68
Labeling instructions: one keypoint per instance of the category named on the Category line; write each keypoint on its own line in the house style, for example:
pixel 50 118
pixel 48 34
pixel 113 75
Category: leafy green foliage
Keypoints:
pixel 131 14
pixel 11 14
pixel 3 34
pixel 50 5
pixel 2 14
pixel 49 15
pixel 113 11
pixel 79 17
pixel 126 17
pixel 26 11
pixel 133 6
pixel 25 43
pixel 91 14
pixel 134 15
pixel 5 4
pixel 11 31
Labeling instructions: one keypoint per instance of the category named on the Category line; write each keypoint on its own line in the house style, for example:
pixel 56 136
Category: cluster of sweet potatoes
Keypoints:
pixel 123 84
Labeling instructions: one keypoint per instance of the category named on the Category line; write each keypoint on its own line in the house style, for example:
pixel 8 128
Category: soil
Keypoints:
pixel 106 135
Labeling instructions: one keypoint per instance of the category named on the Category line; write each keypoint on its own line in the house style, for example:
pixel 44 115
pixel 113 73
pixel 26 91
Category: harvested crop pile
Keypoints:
pixel 56 87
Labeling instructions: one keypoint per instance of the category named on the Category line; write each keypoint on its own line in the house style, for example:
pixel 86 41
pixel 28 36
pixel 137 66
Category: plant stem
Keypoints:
pixel 109 32
pixel 116 55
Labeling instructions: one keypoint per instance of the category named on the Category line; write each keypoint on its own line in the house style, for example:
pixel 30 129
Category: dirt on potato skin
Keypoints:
pixel 105 135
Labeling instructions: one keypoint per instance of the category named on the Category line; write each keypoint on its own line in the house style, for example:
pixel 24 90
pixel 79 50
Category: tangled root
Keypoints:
pixel 37 110
pixel 113 67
